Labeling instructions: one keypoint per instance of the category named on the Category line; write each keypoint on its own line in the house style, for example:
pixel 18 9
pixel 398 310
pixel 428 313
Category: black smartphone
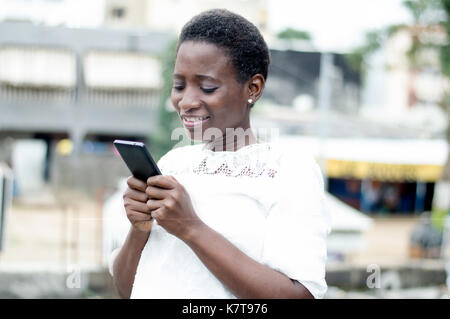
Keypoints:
pixel 137 158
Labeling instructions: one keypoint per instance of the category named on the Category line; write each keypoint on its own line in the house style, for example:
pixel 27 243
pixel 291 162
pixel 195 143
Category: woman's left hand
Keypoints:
pixel 171 206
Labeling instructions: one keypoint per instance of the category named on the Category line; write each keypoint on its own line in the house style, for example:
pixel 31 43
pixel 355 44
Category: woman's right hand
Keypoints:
pixel 135 202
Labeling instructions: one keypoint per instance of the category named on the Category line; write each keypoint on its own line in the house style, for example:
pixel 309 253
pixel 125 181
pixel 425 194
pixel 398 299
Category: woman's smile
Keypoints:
pixel 194 121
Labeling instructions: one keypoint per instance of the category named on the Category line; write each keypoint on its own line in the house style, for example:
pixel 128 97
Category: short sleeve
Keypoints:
pixel 298 224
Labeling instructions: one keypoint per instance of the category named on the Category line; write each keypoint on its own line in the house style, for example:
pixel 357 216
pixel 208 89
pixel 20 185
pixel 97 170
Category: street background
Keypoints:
pixel 362 85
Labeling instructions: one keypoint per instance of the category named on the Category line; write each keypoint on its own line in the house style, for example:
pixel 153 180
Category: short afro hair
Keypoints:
pixel 241 39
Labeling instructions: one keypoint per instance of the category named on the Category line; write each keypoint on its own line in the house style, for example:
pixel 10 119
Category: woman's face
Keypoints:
pixel 206 92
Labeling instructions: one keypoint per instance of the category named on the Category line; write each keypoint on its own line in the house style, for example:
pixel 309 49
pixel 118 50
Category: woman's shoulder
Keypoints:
pixel 295 160
pixel 291 154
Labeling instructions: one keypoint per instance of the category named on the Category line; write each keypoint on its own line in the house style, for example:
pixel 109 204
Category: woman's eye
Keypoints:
pixel 209 90
pixel 178 87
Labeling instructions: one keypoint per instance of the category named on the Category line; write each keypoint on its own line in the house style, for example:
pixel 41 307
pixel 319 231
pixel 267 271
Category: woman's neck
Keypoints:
pixel 232 140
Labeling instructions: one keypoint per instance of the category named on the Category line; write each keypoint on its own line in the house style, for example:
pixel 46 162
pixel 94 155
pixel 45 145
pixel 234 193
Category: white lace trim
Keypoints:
pixel 250 161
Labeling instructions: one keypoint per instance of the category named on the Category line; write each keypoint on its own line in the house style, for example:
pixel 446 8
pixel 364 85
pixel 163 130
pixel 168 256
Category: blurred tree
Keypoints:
pixel 294 34
pixel 445 49
pixel 431 16
pixel 445 66
pixel 160 140
pixel 357 58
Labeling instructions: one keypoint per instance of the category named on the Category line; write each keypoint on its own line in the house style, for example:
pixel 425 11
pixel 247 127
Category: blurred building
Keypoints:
pixel 294 80
pixel 85 85
pixel 171 15
pixel 131 14
pixel 68 13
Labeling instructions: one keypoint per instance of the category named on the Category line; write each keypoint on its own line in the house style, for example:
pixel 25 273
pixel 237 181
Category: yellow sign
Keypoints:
pixel 383 171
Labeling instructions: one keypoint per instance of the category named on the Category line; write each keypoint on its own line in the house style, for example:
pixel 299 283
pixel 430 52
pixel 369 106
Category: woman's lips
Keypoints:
pixel 194 121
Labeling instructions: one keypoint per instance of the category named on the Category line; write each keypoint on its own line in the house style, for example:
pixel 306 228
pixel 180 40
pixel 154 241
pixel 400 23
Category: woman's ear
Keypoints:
pixel 255 87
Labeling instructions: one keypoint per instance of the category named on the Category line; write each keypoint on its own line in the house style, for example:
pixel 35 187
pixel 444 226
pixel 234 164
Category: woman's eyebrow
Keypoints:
pixel 198 76
pixel 206 77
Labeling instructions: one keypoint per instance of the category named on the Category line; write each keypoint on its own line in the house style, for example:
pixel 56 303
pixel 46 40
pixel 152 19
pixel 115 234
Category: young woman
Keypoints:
pixel 235 217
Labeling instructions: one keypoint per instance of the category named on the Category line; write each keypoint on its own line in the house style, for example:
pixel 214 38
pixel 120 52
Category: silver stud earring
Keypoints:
pixel 250 101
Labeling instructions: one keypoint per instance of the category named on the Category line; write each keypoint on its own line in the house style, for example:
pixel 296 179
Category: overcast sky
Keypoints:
pixel 336 24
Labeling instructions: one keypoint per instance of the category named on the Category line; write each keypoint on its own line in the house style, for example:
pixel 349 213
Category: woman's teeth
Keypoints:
pixel 195 119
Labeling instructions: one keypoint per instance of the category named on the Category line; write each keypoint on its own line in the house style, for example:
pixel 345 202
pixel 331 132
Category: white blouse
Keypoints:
pixel 267 201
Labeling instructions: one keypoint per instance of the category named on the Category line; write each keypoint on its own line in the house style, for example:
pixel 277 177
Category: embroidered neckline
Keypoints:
pixel 249 161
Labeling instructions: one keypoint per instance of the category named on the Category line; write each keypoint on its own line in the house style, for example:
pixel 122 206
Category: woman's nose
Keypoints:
pixel 189 100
